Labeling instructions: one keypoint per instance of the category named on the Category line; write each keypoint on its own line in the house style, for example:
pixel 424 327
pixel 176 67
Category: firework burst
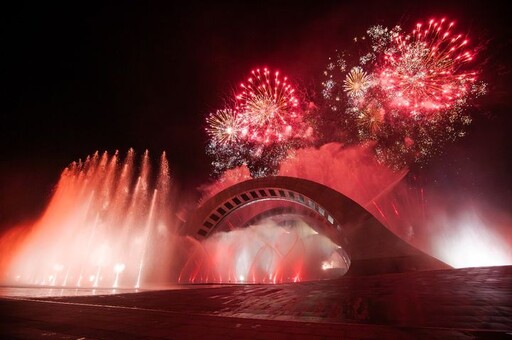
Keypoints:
pixel 409 92
pixel 268 107
pixel 370 119
pixel 357 82
pixel 224 126
pixel 266 123
pixel 423 72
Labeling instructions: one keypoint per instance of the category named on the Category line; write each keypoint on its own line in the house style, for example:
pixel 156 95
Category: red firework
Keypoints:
pixel 426 70
pixel 268 108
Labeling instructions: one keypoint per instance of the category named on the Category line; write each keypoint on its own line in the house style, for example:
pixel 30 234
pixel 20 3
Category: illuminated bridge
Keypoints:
pixel 367 246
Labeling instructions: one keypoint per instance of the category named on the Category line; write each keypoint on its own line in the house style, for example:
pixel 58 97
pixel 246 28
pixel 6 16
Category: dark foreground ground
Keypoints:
pixel 444 304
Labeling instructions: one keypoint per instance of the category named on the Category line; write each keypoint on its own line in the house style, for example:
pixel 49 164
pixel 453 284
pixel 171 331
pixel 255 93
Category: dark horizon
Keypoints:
pixel 79 79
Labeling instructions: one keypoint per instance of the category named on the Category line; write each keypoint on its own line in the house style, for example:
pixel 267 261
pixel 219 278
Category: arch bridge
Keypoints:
pixel 368 245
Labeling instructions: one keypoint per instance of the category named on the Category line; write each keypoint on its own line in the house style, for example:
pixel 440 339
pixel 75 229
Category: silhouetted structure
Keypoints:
pixel 370 246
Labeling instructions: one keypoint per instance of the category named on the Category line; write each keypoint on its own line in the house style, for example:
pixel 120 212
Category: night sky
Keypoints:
pixel 77 78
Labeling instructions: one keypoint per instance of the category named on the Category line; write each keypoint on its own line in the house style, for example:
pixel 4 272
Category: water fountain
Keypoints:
pixel 281 248
pixel 108 224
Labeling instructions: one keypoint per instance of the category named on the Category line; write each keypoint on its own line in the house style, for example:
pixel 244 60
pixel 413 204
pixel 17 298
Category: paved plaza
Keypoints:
pixel 442 304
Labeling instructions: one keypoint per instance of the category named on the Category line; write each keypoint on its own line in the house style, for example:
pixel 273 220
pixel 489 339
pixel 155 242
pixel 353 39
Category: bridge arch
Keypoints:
pixel 369 247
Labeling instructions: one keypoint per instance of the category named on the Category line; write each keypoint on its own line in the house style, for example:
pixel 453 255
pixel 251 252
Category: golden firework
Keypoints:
pixel 223 126
pixel 357 82
pixel 370 118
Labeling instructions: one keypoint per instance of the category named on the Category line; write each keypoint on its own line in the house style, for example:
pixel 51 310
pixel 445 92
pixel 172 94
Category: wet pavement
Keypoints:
pixel 444 304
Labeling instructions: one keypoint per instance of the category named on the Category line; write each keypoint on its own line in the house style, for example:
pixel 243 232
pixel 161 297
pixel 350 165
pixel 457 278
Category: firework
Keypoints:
pixel 406 94
pixel 370 119
pixel 423 72
pixel 357 82
pixel 266 123
pixel 224 126
pixel 268 107
pixel 409 93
